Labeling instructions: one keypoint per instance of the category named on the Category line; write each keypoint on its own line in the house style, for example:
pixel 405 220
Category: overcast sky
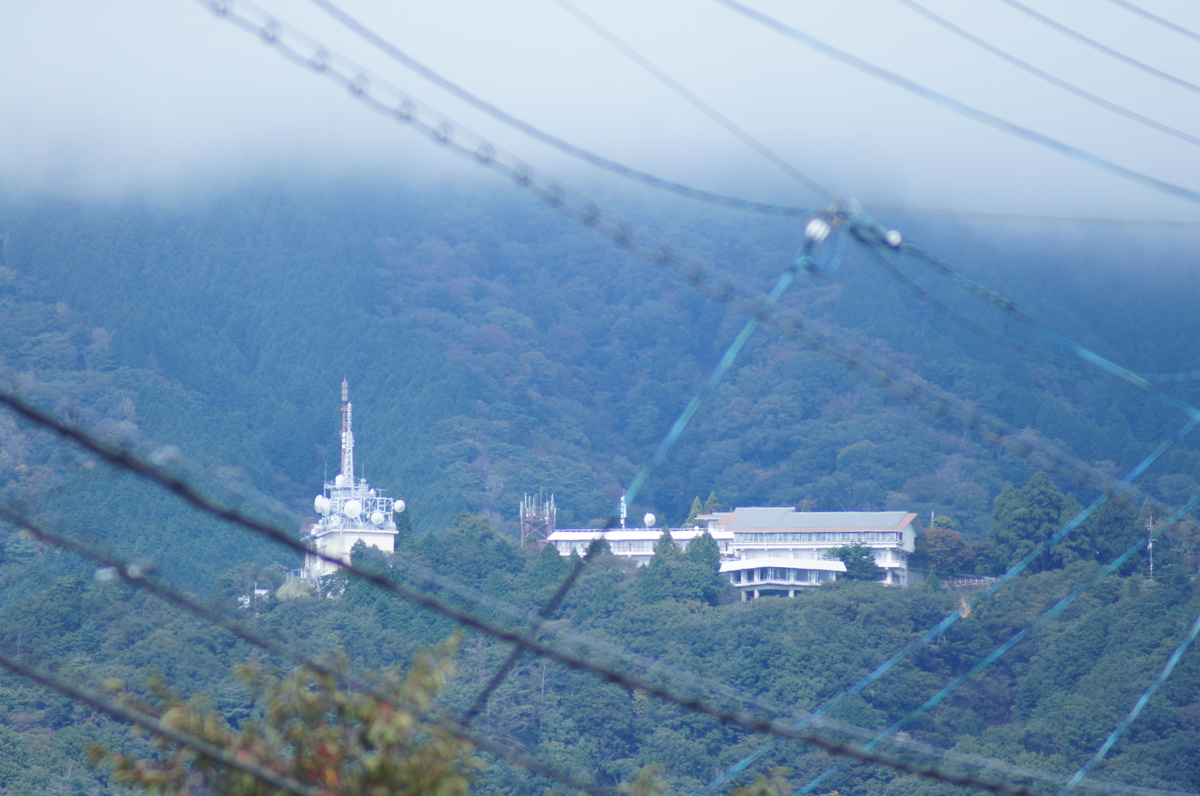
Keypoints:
pixel 144 93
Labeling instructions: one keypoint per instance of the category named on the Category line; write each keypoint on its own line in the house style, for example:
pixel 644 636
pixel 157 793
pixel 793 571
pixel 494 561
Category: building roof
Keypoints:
pixel 780 518
pixel 633 534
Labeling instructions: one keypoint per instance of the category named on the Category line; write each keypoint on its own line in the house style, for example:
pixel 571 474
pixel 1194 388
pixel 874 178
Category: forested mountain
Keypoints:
pixel 494 348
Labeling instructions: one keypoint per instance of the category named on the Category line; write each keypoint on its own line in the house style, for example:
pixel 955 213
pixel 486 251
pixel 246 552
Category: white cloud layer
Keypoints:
pixel 148 93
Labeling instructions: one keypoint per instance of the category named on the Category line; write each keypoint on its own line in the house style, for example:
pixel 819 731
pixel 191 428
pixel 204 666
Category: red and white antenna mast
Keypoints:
pixel 347 435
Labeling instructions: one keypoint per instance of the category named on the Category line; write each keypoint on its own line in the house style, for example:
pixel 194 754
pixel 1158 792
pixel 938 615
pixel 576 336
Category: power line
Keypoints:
pixel 953 617
pixel 654 666
pixel 1172 378
pixel 546 138
pixel 1095 45
pixel 999 651
pixel 1057 359
pixel 139 465
pixel 815 234
pixel 151 723
pixel 1046 76
pixel 1137 708
pixel 127 459
pixel 962 108
pixel 358 88
pixel 1030 218
pixel 621 234
pixel 137 576
pixel 650 180
pixel 873 237
pixel 1157 19
pixel 556 599
pixel 692 99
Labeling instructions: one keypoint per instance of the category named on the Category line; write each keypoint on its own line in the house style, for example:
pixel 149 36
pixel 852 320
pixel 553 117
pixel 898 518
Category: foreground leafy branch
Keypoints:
pixel 314 731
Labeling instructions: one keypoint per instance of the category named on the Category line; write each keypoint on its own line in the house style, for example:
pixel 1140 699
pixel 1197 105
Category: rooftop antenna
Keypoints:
pixel 1150 542
pixel 623 512
pixel 347 434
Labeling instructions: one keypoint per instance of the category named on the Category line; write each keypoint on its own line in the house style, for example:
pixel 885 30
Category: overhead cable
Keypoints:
pixel 151 723
pixel 661 76
pixel 815 233
pixel 1191 34
pixel 874 238
pixel 136 575
pixel 653 181
pixel 141 466
pixel 962 108
pixel 552 197
pixel 954 616
pixel 538 134
pixel 1046 76
pixel 417 575
pixel 1095 45
pixel 1033 218
pixel 1136 710
pixel 998 652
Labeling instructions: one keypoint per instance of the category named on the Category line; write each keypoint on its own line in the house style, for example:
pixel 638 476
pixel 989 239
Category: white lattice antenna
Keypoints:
pixel 347 434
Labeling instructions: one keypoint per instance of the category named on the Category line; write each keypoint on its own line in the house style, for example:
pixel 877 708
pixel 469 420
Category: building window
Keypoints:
pixel 818 537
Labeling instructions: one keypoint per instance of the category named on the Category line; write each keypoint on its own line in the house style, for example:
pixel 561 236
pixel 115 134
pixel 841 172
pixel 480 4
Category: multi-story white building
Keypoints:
pixel 776 551
pixel 350 511
pixel 633 543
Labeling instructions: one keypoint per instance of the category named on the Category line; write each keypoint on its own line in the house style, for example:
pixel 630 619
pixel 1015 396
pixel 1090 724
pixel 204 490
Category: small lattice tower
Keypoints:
pixel 537 518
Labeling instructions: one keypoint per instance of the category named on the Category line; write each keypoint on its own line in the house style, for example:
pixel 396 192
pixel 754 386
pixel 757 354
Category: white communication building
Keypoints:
pixel 350 510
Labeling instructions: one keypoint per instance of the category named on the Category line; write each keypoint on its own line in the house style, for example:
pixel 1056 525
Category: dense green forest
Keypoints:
pixel 1046 705
pixel 495 349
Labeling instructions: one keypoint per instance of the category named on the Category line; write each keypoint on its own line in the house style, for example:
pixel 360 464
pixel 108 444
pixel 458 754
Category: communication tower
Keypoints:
pixel 537 518
pixel 350 510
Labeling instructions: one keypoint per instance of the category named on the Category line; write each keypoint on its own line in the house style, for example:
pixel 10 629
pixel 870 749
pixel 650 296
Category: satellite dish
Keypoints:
pixel 321 504
pixel 339 480
pixel 352 509
pixel 649 519
pixel 399 506
pixel 377 518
